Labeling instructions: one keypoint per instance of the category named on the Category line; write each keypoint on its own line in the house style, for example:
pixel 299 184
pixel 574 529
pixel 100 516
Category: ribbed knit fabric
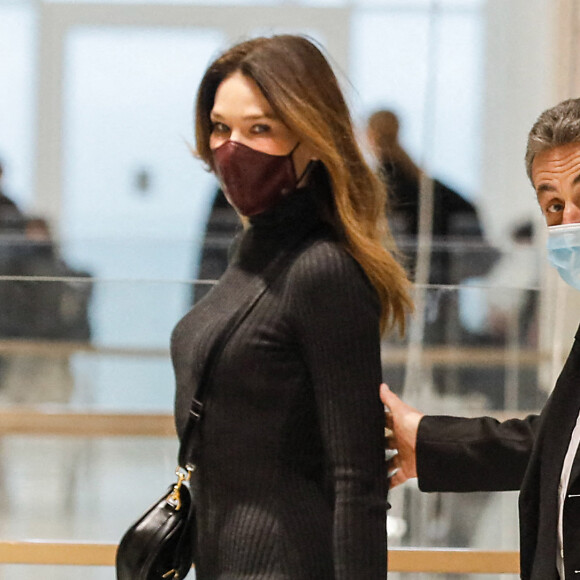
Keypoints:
pixel 291 477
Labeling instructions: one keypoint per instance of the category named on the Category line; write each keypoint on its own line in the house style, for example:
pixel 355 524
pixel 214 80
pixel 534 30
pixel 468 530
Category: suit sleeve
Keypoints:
pixel 479 454
pixel 337 316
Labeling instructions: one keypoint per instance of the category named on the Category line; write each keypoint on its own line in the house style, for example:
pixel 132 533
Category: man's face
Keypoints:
pixel 556 178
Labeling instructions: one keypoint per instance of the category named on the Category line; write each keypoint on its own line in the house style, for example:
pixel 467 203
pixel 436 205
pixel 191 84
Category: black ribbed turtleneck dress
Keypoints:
pixel 291 478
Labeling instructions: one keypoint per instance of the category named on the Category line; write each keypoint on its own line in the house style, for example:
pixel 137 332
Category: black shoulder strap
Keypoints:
pixel 262 282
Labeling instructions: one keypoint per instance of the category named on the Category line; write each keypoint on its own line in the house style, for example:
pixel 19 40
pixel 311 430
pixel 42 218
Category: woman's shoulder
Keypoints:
pixel 325 261
pixel 325 284
pixel 323 253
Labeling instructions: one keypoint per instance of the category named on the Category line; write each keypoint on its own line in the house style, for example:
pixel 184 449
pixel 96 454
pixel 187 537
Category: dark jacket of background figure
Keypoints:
pixel 459 454
pixel 454 221
pixel 41 309
pixel 222 226
pixel 291 478
pixel 11 218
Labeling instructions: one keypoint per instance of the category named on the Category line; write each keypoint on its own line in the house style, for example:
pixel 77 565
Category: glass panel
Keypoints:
pixel 455 155
pixel 86 489
pixel 120 327
pixel 17 53
pixel 135 199
pixel 428 69
pixel 129 95
pixel 106 342
pixel 86 492
pixel 466 369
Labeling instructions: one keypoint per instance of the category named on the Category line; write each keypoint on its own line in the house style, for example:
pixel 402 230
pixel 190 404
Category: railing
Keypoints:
pixel 400 560
pixel 33 422
pixel 393 355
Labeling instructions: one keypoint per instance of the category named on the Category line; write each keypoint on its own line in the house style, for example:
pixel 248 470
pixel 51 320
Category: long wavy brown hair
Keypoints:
pixel 303 91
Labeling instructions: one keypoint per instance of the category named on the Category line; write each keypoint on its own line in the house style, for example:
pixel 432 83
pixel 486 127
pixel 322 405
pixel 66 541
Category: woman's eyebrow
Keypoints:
pixel 249 117
pixel 255 116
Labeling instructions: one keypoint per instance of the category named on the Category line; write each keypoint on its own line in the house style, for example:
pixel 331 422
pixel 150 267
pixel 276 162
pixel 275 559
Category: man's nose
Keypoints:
pixel 571 214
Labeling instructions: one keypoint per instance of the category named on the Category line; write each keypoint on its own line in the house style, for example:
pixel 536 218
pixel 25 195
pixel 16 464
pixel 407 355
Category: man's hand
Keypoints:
pixel 403 421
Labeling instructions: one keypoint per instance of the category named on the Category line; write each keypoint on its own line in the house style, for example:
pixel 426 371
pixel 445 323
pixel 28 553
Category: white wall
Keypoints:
pixel 519 85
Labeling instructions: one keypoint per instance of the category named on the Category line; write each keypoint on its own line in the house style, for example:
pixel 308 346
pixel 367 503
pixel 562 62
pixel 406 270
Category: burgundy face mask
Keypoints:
pixel 253 181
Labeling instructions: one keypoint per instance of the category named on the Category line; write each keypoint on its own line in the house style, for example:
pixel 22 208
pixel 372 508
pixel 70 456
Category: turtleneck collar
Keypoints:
pixel 281 227
pixel 291 212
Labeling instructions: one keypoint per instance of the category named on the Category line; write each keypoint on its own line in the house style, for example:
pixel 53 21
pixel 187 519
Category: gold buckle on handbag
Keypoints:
pixel 174 498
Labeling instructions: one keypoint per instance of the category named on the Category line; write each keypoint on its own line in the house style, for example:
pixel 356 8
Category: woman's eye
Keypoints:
pixel 258 129
pixel 219 128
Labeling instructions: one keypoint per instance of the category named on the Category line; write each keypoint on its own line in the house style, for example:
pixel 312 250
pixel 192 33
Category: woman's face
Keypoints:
pixel 241 113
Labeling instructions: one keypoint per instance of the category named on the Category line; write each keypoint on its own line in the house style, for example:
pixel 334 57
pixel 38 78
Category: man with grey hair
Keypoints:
pixel 538 455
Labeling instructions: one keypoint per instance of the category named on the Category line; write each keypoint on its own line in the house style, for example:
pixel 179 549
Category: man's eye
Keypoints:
pixel 555 208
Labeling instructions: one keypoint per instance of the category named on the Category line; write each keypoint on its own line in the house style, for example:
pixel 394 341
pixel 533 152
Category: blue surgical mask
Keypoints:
pixel 564 252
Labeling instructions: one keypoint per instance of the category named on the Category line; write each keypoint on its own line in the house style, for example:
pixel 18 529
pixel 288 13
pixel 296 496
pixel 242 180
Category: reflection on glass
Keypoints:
pixel 86 490
pixel 440 103
pixel 130 177
pixel 17 48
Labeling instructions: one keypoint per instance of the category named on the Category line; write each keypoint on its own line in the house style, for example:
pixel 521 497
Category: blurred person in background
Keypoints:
pixel 11 218
pixel 12 222
pixel 53 308
pixel 458 252
pixel 454 219
pixel 221 228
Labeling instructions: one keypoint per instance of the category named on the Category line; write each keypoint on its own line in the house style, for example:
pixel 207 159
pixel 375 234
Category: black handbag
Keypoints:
pixel 161 544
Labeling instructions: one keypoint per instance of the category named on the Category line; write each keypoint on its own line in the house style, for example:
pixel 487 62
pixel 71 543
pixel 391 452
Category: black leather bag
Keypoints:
pixel 161 544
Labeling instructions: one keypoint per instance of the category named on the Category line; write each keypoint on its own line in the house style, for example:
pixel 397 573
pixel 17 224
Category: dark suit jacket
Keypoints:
pixel 458 454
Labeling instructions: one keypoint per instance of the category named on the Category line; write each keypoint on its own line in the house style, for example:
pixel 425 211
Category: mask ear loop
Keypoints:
pixel 306 172
pixel 303 174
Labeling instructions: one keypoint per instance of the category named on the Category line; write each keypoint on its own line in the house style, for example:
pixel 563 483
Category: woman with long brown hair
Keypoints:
pixel 291 478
